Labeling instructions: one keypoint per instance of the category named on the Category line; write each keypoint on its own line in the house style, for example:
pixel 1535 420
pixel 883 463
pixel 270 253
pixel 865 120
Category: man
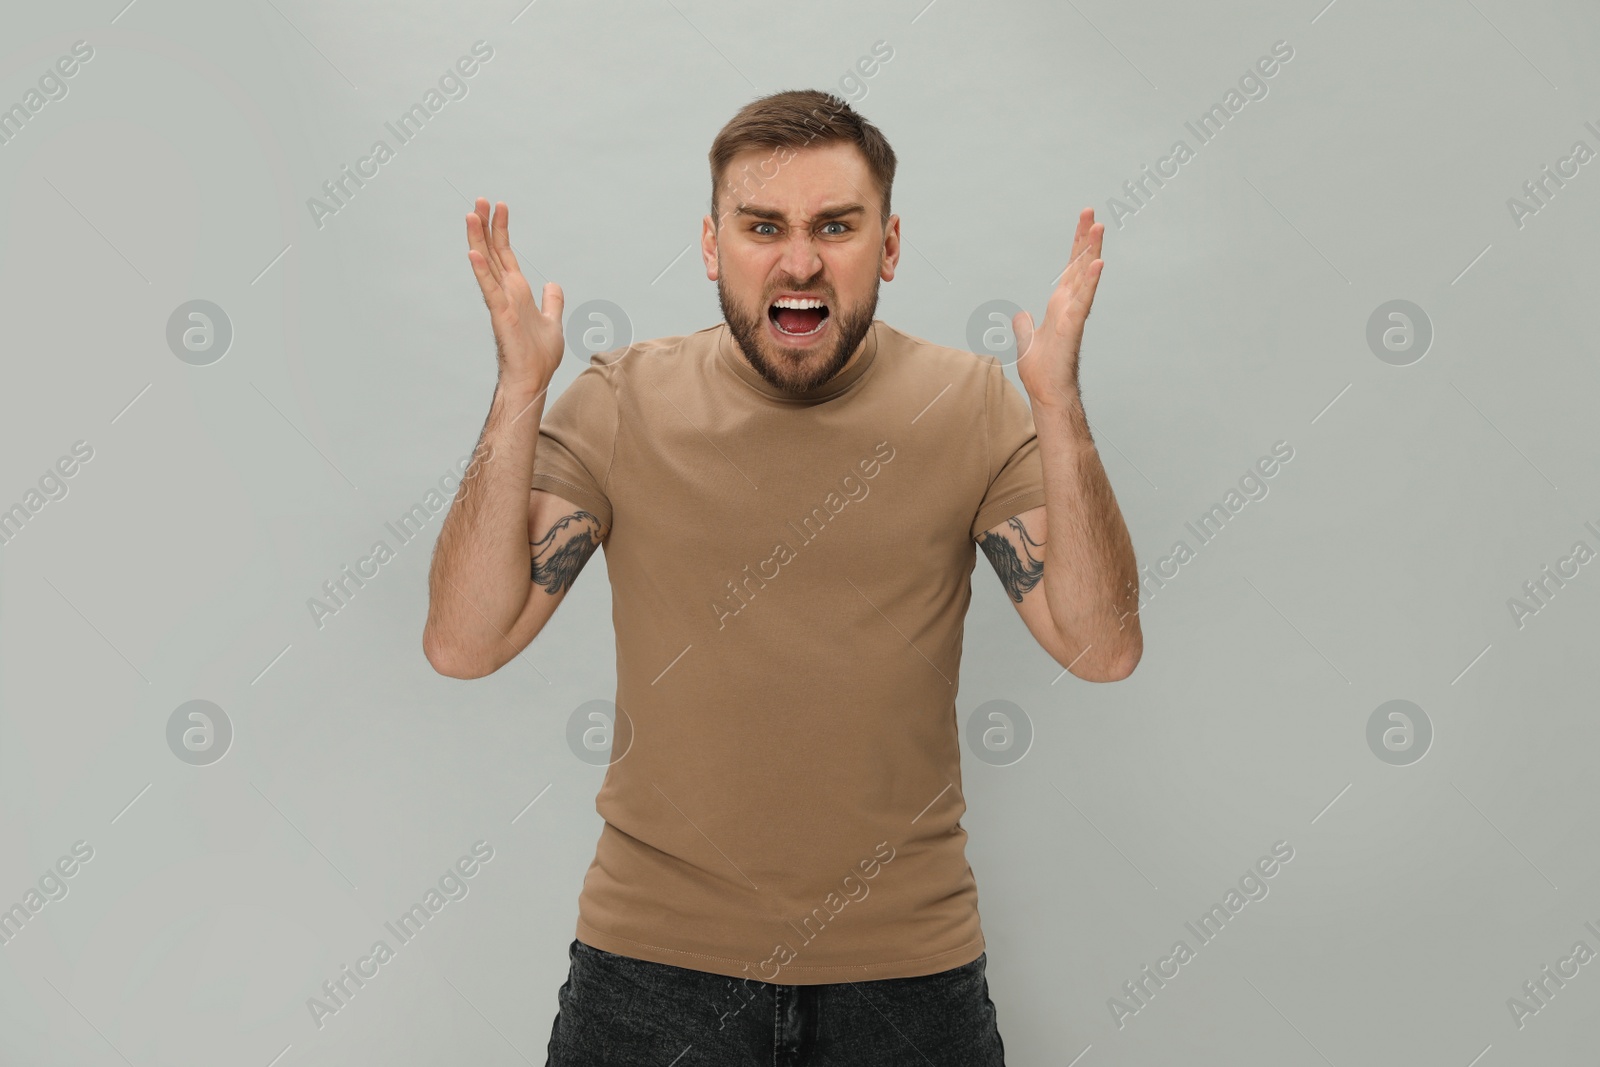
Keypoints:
pixel 789 503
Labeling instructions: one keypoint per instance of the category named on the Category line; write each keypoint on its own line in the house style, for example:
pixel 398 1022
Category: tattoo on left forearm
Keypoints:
pixel 1018 572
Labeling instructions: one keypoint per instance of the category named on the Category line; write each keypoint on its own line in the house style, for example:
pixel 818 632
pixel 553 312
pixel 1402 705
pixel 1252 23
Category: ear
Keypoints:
pixel 891 249
pixel 708 247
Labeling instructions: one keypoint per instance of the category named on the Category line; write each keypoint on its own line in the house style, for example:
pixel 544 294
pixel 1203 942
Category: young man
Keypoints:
pixel 789 503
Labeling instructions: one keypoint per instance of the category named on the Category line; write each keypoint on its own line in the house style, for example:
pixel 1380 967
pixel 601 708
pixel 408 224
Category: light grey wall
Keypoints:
pixel 1234 313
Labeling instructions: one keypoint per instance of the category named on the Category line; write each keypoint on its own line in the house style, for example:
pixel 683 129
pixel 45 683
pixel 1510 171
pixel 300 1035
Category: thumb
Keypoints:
pixel 553 300
pixel 1022 330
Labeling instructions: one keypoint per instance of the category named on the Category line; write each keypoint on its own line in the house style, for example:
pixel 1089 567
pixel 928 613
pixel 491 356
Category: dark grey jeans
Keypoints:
pixel 617 1011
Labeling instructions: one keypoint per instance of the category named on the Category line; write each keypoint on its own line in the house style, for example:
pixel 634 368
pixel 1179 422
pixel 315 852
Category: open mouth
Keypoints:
pixel 798 317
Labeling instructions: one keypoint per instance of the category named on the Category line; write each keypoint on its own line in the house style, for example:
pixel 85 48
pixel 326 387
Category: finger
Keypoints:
pixel 553 301
pixel 1080 235
pixel 493 295
pixel 502 238
pixel 501 227
pixel 477 242
pixel 1084 296
pixel 486 221
pixel 1087 252
pixel 1069 275
pixel 1022 330
pixel 480 207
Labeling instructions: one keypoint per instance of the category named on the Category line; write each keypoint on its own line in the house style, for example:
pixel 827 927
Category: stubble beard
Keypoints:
pixel 781 365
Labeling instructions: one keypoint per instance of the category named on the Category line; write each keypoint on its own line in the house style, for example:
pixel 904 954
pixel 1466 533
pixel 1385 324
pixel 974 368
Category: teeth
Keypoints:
pixel 796 303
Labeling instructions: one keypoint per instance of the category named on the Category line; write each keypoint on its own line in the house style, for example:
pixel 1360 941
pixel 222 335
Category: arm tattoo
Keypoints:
pixel 560 554
pixel 1018 574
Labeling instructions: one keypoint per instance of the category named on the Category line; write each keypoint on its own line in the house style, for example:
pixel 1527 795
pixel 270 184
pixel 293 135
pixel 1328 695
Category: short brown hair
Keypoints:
pixel 800 118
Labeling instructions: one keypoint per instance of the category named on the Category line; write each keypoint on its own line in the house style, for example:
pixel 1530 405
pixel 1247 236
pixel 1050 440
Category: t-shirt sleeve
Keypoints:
pixel 577 440
pixel 1016 474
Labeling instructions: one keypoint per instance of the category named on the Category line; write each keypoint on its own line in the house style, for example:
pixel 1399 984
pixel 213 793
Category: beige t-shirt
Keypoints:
pixel 789 578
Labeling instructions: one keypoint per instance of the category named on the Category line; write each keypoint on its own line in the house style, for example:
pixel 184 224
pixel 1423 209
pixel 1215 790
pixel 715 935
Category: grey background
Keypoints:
pixel 1232 314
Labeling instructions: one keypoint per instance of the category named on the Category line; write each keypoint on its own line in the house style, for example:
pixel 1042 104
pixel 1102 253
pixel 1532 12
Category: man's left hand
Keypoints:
pixel 1048 360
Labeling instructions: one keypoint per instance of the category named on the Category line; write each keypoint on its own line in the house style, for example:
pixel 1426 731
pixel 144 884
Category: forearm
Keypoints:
pixel 479 579
pixel 1090 573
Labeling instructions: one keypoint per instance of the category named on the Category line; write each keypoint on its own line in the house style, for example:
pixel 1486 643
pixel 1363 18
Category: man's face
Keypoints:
pixel 799 226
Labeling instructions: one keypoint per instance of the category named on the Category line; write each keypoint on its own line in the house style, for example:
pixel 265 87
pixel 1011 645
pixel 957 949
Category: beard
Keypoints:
pixel 798 370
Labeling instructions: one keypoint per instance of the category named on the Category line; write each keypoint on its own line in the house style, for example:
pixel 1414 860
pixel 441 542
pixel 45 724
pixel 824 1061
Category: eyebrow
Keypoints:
pixel 774 215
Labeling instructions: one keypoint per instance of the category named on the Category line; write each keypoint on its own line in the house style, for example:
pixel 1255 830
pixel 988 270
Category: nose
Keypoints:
pixel 800 258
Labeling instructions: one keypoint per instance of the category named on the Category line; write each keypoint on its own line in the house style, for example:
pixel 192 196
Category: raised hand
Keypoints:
pixel 528 339
pixel 1048 360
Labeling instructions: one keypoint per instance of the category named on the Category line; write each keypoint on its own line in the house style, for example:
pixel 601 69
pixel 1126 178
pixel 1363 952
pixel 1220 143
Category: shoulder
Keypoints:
pixel 642 359
pixel 919 365
pixel 927 361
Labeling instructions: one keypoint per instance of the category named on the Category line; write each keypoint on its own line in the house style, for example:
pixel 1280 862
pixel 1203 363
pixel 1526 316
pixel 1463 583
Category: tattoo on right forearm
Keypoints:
pixel 561 553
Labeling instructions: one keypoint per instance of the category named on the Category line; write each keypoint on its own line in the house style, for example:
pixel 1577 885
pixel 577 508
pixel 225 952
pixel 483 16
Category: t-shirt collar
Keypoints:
pixel 736 362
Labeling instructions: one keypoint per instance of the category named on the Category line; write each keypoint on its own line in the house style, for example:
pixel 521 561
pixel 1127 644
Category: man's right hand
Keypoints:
pixel 529 341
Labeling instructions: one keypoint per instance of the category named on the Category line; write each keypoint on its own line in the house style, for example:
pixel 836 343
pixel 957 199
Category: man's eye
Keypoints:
pixel 842 227
pixel 759 230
